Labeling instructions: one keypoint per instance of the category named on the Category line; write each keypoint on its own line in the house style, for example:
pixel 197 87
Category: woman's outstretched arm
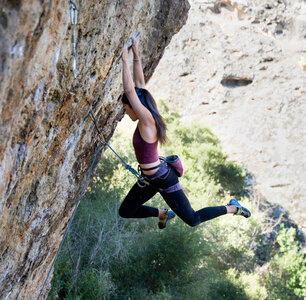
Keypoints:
pixel 128 84
pixel 137 68
pixel 142 112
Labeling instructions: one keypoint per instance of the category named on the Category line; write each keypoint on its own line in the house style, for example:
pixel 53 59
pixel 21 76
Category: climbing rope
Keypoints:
pixel 102 140
pixel 73 19
pixel 74 211
pixel 128 167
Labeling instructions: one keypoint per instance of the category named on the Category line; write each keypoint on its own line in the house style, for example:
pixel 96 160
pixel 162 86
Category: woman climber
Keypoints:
pixel 159 177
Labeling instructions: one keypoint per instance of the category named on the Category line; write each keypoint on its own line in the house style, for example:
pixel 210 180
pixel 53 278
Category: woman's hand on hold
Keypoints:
pixel 135 46
pixel 125 53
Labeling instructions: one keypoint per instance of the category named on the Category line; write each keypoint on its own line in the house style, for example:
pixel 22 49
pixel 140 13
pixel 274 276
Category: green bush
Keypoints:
pixel 107 257
pixel 95 285
pixel 160 259
pixel 287 275
pixel 222 289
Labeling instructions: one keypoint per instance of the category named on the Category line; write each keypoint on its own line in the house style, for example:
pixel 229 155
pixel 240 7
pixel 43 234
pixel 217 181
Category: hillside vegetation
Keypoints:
pixel 107 257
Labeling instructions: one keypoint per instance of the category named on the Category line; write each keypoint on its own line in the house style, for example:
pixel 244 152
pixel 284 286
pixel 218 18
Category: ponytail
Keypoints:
pixel 148 101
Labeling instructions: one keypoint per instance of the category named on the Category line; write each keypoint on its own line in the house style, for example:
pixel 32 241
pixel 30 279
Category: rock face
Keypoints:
pixel 238 65
pixel 47 139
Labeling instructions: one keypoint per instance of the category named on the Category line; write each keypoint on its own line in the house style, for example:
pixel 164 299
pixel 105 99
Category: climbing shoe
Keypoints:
pixel 163 222
pixel 241 211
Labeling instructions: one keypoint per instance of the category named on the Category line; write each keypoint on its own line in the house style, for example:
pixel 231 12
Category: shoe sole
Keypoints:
pixel 245 212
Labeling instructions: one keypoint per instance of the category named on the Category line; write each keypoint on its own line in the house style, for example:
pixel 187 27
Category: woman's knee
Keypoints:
pixel 124 212
pixel 191 220
pixel 191 223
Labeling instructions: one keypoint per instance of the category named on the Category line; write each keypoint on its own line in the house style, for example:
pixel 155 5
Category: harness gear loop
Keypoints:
pixel 142 183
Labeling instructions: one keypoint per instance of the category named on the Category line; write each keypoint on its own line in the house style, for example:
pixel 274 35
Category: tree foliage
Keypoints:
pixel 107 257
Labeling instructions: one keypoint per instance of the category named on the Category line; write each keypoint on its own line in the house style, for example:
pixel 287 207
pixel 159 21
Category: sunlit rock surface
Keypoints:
pixel 47 139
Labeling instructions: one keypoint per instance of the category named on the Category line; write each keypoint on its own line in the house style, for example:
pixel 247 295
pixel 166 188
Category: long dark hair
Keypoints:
pixel 148 101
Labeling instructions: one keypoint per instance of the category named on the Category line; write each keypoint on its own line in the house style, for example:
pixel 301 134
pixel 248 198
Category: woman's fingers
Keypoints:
pixel 134 45
pixel 125 49
pixel 134 41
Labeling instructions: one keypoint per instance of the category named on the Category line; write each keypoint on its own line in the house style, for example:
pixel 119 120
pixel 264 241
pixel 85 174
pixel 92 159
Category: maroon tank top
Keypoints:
pixel 146 153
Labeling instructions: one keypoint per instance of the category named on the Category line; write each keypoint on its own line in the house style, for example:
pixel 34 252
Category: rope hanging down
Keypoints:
pixel 102 140
pixel 74 211
pixel 128 167
pixel 73 18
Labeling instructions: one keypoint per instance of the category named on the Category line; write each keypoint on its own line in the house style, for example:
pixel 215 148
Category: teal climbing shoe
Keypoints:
pixel 163 222
pixel 241 211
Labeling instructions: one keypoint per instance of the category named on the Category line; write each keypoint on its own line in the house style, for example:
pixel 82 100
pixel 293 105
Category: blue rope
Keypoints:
pixel 102 140
pixel 78 202
pixel 128 167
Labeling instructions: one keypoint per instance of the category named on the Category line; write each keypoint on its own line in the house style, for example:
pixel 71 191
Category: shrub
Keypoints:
pixel 106 257
pixel 287 275
pixel 159 259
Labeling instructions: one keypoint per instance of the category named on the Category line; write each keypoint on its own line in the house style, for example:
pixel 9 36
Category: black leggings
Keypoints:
pixel 132 206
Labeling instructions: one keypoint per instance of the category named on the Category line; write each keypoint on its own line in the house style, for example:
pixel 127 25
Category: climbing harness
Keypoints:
pixel 74 20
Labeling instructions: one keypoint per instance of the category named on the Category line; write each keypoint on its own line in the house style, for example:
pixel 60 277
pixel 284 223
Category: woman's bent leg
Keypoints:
pixel 132 206
pixel 180 204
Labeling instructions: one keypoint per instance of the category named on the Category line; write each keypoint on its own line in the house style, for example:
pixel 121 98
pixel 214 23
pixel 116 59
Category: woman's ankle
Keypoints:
pixel 231 209
pixel 162 213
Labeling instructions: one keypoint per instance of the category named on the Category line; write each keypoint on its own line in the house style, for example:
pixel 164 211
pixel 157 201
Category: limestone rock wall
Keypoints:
pixel 47 139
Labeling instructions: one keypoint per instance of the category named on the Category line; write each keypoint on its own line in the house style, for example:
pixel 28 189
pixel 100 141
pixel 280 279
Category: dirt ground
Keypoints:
pixel 240 68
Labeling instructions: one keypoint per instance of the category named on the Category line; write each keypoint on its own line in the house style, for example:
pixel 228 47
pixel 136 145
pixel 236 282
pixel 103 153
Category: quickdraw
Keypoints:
pixel 141 180
pixel 74 20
